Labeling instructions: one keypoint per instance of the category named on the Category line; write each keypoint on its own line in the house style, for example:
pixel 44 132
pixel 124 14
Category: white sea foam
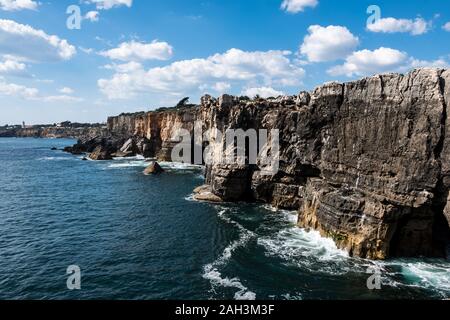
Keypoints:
pixel 138 157
pixel 211 271
pixel 305 249
pixel 130 164
pixel 434 275
pixel 290 216
pixel 55 159
pixel 179 166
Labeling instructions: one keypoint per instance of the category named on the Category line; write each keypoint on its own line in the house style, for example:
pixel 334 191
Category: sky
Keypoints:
pixel 85 60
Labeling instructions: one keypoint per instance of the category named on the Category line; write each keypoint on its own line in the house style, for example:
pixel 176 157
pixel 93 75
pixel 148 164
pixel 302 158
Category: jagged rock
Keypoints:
pixel 226 101
pixel 230 182
pixel 101 153
pixel 154 168
pixel 121 154
pixel 129 146
pixel 204 193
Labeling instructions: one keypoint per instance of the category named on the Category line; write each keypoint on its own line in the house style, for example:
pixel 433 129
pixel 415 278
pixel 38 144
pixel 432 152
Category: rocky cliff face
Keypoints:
pixel 366 163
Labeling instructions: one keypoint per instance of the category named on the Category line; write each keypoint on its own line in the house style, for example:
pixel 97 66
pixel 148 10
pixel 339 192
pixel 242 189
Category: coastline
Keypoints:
pixel 347 164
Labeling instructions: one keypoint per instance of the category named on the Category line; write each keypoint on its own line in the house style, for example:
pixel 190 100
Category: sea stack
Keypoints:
pixel 153 169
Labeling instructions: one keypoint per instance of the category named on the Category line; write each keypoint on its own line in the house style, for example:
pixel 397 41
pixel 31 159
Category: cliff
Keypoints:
pixel 366 163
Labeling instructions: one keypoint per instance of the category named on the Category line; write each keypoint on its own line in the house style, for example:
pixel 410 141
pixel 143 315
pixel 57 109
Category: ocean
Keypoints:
pixel 143 237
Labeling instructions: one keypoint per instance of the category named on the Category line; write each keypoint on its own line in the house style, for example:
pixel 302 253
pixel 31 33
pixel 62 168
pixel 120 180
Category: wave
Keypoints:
pixel 130 164
pixel 290 216
pixel 55 159
pixel 432 275
pixel 138 157
pixel 179 166
pixel 211 271
pixel 305 249
pixel 310 251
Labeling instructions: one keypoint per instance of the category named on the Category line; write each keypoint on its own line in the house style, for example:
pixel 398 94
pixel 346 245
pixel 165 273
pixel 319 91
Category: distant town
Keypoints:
pixel 64 129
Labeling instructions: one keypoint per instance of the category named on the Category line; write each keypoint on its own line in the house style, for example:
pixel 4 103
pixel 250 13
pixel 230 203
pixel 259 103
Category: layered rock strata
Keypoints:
pixel 366 163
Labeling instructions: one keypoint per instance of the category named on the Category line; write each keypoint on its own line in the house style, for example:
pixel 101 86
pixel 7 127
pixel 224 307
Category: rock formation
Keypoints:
pixel 367 163
pixel 154 168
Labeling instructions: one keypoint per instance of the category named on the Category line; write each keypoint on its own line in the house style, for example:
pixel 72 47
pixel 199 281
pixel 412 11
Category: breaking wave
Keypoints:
pixel 211 271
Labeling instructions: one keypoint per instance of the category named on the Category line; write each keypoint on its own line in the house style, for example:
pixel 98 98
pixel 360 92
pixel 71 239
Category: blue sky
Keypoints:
pixel 134 55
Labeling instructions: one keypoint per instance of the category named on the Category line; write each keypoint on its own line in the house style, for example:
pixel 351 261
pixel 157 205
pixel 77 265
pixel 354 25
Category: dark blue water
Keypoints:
pixel 142 237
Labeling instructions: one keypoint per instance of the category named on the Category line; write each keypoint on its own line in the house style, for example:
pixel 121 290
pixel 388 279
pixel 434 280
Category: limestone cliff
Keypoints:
pixel 366 163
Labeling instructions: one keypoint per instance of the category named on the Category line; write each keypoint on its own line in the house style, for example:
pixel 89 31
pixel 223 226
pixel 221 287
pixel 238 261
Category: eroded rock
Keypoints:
pixel 153 169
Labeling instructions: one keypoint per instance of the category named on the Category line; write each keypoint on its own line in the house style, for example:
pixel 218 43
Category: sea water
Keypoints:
pixel 143 237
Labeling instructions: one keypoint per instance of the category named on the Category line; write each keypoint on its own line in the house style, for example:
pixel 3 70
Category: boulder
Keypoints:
pixel 154 168
pixel 204 193
pixel 101 153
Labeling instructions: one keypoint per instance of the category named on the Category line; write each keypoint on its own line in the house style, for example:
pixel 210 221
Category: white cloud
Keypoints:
pixel 439 63
pixel 27 93
pixel 391 25
pixel 366 62
pixel 86 50
pixel 30 44
pixel 16 5
pixel 446 26
pixel 234 66
pixel 109 4
pixel 328 43
pixel 60 98
pixel 138 51
pixel 221 87
pixel 15 90
pixel 66 90
pixel 92 16
pixel 263 92
pixel 296 6
pixel 12 67
pixel 125 67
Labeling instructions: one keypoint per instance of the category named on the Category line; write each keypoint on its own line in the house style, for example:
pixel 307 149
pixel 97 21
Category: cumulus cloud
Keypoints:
pixel 16 5
pixel 15 90
pixel 30 44
pixel 109 4
pixel 367 62
pixel 446 26
pixel 139 51
pixel 12 67
pixel 92 16
pixel 27 93
pixel 296 6
pixel 263 92
pixel 391 25
pixel 221 87
pixel 234 66
pixel 328 43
